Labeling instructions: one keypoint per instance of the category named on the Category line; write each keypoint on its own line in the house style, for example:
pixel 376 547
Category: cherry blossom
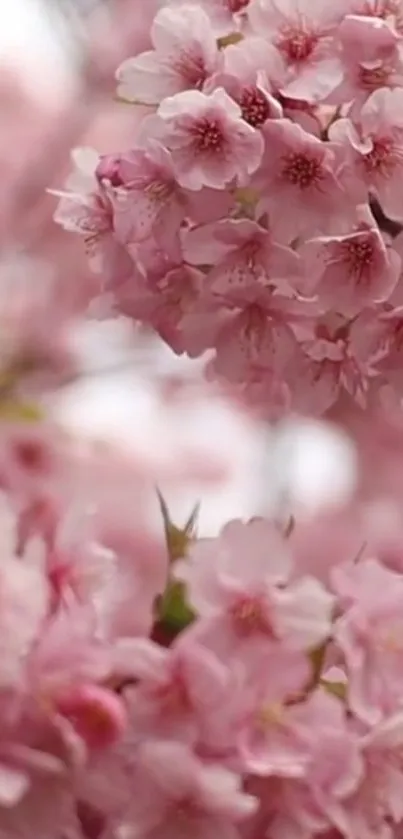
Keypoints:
pixel 370 628
pixel 251 74
pixel 251 605
pixel 351 272
pixel 302 172
pixel 365 812
pixel 177 793
pixel 376 147
pixel 210 143
pixel 179 693
pixel 185 55
pixel 245 259
pixel 303 35
pixel 371 59
pixel 86 207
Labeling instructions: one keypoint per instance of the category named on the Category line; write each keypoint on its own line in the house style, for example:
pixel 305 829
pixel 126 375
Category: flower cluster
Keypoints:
pixel 258 213
pixel 247 685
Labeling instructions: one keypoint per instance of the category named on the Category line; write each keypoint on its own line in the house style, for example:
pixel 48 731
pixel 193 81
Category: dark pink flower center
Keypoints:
pixel 32 455
pixel 109 168
pixel 159 190
pixel 174 695
pixel 255 321
pixel 301 170
pixel 371 78
pixel 297 43
pixel 237 5
pixel 250 617
pixel 358 256
pixel 208 136
pixel 254 105
pixel 190 65
pixel 379 158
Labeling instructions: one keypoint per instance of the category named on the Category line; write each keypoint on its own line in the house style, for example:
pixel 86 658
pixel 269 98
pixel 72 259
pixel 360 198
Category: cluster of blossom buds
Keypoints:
pixel 247 685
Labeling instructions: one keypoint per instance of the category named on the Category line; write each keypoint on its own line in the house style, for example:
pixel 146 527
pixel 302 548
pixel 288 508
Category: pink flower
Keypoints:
pixel 70 653
pixel 375 143
pixel 251 605
pixel 256 342
pixel 244 257
pixel 330 767
pixel 185 54
pixel 371 59
pixel 78 568
pixel 149 201
pixel 179 795
pixel 263 730
pixel 211 145
pixel 179 692
pixel 350 272
pixel 86 208
pixel 383 342
pixel 376 805
pixel 315 386
pixel 249 724
pixel 172 305
pixel 250 75
pixel 369 635
pixel 335 359
pixel 67 675
pixel 300 174
pixel 302 32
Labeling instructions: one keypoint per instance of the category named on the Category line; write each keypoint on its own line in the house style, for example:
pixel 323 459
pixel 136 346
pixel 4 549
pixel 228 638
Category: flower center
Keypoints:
pixel 301 170
pixel 250 618
pixel 379 158
pixel 190 65
pixel 296 43
pixel 270 715
pixel 254 105
pixel 370 78
pixel 237 5
pixel 359 258
pixel 109 168
pixel 174 695
pixel 31 455
pixel 159 191
pixel 208 136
